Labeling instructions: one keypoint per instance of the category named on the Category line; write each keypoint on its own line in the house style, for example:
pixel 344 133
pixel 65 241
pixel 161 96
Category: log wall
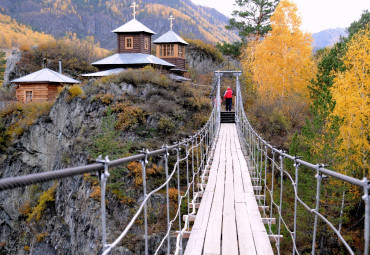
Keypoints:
pixel 138 43
pixel 41 92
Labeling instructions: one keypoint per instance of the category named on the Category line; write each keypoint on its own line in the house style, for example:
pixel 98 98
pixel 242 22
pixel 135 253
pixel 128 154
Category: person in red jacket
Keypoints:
pixel 229 98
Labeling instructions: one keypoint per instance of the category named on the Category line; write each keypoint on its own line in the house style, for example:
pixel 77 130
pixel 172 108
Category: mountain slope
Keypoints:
pixel 99 17
pixel 327 38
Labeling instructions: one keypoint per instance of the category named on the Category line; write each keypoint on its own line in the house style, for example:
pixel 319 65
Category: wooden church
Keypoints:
pixel 171 47
pixel 134 47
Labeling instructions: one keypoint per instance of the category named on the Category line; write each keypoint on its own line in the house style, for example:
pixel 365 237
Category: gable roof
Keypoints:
pixel 133 26
pixel 45 75
pixel 170 37
pixel 132 59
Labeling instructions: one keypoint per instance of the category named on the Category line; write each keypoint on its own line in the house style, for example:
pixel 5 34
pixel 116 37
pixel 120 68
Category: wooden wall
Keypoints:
pixel 41 92
pixel 138 43
pixel 178 62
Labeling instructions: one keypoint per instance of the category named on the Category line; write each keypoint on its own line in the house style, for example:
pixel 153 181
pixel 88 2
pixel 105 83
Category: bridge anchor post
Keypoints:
pixel 103 178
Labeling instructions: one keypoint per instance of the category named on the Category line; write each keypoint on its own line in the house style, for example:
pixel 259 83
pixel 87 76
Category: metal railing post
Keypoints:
pixel 318 186
pixel 143 165
pixel 103 178
pixel 187 181
pixel 272 185
pixel 366 198
pixel 218 99
pixel 296 166
pixel 265 183
pixel 179 193
pixel 167 199
pixel 281 199
pixel 192 164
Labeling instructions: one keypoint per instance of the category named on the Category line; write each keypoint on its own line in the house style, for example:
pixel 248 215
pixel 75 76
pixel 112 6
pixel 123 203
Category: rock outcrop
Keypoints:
pixel 70 222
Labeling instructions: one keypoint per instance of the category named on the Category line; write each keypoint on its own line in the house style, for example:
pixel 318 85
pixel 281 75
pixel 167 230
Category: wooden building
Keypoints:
pixel 134 49
pixel 134 37
pixel 171 48
pixel 40 86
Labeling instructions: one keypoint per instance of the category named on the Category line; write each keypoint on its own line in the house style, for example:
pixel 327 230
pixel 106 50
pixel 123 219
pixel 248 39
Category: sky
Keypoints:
pixel 317 15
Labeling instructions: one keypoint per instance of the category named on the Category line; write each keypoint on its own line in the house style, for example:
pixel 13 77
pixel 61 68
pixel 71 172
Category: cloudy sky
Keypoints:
pixel 316 15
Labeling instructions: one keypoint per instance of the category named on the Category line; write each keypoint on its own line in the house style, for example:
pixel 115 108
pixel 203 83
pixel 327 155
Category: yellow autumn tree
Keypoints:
pixel 282 61
pixel 351 92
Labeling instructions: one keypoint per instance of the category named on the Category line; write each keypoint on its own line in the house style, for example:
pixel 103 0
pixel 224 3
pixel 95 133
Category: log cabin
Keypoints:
pixel 40 86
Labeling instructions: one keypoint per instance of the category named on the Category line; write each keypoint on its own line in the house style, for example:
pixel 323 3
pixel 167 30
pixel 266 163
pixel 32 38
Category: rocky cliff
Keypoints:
pixel 63 217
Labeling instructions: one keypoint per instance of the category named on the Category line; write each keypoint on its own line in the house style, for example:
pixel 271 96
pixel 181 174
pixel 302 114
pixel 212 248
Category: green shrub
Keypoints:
pixel 129 116
pixel 166 125
pixel 139 76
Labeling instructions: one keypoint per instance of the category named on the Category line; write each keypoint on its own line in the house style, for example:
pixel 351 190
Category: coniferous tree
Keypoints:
pixel 252 17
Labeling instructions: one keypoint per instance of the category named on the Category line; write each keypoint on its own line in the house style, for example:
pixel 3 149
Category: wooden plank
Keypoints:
pixel 269 220
pixel 229 234
pixel 262 243
pixel 197 205
pixel 185 234
pixel 212 243
pixel 275 238
pixel 238 182
pixel 191 218
pixel 197 236
pixel 245 236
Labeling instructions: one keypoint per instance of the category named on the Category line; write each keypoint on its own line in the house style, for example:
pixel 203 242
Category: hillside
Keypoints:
pixel 13 34
pixel 327 38
pixel 98 18
pixel 117 115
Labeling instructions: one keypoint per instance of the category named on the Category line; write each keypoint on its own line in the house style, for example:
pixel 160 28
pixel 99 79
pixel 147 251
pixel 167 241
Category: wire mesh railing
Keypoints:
pixel 198 149
pixel 268 161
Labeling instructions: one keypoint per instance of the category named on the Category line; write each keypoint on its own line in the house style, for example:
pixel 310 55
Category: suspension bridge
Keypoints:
pixel 232 207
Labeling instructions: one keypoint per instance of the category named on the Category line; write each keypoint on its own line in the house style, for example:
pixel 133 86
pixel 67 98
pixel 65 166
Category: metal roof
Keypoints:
pixel 179 78
pixel 133 26
pixel 170 37
pixel 103 73
pixel 45 75
pixel 132 59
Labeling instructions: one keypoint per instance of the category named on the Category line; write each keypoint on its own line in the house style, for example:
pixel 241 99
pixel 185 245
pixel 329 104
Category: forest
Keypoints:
pixel 312 105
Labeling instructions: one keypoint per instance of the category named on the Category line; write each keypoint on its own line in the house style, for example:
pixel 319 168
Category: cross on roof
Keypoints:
pixel 133 6
pixel 171 18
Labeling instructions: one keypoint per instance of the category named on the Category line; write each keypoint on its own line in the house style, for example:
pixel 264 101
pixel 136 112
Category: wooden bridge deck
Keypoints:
pixel 228 220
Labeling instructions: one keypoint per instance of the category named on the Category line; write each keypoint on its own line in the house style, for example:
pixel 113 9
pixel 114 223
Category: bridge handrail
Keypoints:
pixel 258 148
pixel 203 139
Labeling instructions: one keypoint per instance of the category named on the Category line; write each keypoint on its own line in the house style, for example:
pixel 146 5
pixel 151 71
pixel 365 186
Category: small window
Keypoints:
pixel 180 52
pixel 164 51
pixel 168 50
pixel 172 50
pixel 29 96
pixel 146 43
pixel 129 42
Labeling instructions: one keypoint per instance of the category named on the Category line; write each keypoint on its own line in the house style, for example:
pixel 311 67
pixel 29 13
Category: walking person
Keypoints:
pixel 229 98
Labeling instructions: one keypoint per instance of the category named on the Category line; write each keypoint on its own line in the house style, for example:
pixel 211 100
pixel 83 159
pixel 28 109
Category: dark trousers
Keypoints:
pixel 229 102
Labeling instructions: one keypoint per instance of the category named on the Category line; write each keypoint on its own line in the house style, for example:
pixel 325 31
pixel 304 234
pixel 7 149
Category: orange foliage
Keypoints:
pixel 173 194
pixel 96 192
